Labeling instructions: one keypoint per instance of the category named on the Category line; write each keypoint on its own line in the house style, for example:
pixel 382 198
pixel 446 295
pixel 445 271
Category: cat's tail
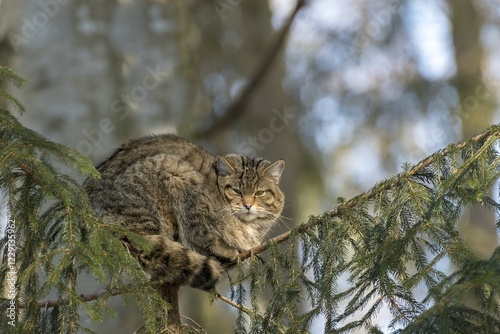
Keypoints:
pixel 171 262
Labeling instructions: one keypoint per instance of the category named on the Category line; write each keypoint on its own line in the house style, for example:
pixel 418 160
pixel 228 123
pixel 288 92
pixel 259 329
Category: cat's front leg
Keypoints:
pixel 206 241
pixel 198 231
pixel 219 249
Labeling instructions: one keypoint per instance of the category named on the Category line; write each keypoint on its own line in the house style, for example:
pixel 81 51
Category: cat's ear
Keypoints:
pixel 223 167
pixel 275 170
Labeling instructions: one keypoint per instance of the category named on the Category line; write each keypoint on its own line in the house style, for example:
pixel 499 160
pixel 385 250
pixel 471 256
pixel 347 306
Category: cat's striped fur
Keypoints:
pixel 198 211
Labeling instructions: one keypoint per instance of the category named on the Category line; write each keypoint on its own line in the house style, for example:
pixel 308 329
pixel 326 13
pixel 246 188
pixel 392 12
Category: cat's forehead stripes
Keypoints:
pixel 249 168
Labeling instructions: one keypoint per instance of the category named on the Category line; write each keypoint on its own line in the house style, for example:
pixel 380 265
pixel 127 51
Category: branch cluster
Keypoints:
pixel 387 241
pixel 410 216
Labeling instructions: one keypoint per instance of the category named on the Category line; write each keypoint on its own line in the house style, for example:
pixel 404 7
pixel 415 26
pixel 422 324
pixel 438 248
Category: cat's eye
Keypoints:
pixel 259 193
pixel 236 191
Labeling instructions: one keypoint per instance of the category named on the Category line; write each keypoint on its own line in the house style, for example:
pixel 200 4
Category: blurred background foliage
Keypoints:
pixel 357 88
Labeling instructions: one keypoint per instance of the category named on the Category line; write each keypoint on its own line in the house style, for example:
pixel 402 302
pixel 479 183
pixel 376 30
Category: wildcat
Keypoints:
pixel 198 211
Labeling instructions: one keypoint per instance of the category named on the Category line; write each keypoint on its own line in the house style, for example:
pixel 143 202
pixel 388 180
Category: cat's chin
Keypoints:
pixel 247 217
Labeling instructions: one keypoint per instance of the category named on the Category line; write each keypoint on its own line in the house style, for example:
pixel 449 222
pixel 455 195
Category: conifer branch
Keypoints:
pixel 84 298
pixel 242 308
pixel 492 131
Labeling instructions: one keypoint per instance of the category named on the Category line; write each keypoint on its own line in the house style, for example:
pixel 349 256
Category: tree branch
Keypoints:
pixel 236 109
pixel 493 130
pixel 302 228
pixel 230 302
pixel 84 298
pixel 170 293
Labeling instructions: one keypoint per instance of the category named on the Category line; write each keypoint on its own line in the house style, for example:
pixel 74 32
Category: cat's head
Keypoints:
pixel 250 186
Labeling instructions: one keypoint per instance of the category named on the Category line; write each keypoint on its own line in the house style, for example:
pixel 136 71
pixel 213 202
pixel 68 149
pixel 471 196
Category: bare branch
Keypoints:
pixel 230 302
pixel 236 109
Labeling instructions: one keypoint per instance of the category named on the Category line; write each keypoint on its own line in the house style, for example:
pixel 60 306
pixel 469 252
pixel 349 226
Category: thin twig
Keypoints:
pixel 230 302
pixel 176 328
pixel 83 298
pixel 200 328
pixel 236 109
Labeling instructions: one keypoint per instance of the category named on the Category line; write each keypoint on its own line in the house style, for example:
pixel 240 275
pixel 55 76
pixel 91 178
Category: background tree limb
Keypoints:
pixel 237 108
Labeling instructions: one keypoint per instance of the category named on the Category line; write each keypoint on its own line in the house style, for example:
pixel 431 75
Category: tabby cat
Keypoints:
pixel 198 211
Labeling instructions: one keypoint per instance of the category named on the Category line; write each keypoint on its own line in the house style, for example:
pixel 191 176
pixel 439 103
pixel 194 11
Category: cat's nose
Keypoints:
pixel 247 202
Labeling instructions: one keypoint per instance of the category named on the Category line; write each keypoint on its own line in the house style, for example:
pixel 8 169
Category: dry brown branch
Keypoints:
pixel 230 302
pixel 236 109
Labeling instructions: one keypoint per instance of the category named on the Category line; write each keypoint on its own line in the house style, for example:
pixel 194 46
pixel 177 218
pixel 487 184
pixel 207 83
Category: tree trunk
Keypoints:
pixel 170 293
pixel 477 106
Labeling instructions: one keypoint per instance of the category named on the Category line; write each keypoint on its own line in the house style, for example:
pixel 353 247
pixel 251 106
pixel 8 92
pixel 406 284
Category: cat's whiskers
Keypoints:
pixel 236 211
pixel 281 220
pixel 225 211
pixel 263 209
pixel 264 213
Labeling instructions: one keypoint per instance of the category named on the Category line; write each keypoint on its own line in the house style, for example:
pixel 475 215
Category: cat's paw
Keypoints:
pixel 222 252
pixel 227 256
